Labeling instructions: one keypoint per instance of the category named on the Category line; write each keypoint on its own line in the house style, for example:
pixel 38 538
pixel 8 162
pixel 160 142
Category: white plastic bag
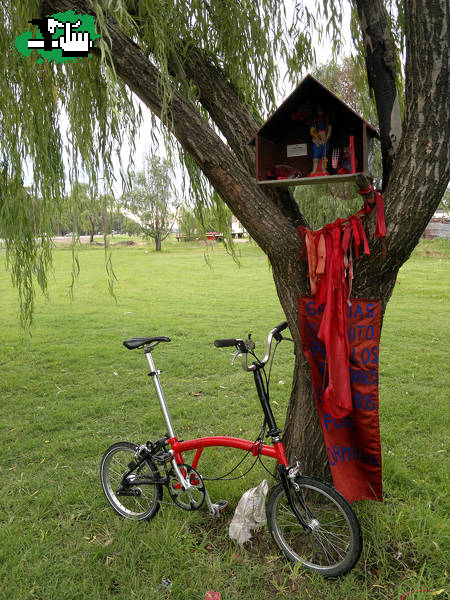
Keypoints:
pixel 250 513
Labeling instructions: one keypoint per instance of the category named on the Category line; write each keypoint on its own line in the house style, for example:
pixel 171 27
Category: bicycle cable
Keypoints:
pixel 267 378
pixel 264 467
pixel 225 476
pixel 270 367
pixel 262 368
pixel 259 440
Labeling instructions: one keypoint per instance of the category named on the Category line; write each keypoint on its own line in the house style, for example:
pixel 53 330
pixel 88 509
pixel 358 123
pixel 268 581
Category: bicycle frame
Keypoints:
pixel 277 451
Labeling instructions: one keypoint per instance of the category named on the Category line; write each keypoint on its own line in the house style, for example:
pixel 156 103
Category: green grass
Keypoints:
pixel 71 389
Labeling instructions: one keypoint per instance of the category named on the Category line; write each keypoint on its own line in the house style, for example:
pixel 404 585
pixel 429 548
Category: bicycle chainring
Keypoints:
pixel 191 499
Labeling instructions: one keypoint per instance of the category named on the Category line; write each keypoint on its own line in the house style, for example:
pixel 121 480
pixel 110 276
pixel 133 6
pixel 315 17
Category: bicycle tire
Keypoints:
pixel 114 464
pixel 333 546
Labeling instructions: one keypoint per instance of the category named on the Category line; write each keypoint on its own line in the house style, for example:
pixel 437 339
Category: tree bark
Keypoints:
pixel 381 69
pixel 417 181
pixel 420 172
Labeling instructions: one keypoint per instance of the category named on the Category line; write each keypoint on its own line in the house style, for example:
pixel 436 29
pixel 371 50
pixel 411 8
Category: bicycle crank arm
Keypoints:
pixel 215 508
pixel 134 492
pixel 185 484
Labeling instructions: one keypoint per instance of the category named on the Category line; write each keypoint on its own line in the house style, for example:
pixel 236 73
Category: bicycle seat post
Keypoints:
pixel 155 375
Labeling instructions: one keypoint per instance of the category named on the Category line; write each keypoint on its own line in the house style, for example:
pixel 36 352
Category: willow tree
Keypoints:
pixel 152 199
pixel 207 69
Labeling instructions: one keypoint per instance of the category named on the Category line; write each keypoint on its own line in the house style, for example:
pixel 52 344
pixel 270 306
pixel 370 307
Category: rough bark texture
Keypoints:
pixel 381 67
pixel 420 170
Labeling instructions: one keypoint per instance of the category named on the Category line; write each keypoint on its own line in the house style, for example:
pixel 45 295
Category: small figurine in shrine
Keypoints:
pixel 302 114
pixel 345 162
pixel 320 132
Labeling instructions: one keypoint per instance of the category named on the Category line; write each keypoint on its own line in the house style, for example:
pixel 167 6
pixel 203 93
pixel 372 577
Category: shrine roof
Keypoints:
pixel 307 94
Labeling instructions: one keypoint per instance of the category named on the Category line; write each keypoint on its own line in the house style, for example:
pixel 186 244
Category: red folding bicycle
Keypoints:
pixel 309 520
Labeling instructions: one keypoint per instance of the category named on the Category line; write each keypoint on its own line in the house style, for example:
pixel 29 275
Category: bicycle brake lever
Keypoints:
pixel 235 357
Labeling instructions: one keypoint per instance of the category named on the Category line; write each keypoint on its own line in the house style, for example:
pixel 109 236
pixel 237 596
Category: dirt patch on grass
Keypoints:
pixel 436 248
pixel 434 253
pixel 125 243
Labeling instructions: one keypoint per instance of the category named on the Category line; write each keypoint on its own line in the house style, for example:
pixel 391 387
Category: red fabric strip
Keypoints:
pixel 380 230
pixel 362 235
pixel 355 235
pixel 337 395
pixel 346 237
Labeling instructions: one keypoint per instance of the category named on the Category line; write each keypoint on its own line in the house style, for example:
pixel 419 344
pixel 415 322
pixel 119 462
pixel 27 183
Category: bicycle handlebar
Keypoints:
pixel 225 343
pixel 243 346
pixel 279 328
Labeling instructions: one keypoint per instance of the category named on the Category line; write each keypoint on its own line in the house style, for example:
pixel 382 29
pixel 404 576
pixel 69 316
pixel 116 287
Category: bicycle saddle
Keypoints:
pixel 143 341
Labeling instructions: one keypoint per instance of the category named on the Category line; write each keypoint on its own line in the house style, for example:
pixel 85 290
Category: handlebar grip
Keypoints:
pixel 281 327
pixel 225 343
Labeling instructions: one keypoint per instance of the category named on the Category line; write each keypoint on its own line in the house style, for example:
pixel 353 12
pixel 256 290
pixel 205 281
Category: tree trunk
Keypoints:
pixel 418 179
pixel 158 243
pixel 91 238
pixel 302 435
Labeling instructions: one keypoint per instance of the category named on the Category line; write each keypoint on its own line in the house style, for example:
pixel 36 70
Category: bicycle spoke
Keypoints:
pixel 338 536
pixel 322 539
pixel 119 474
pixel 115 464
pixel 332 543
pixel 327 554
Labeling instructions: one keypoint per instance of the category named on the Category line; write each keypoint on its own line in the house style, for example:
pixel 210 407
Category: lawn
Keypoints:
pixel 71 389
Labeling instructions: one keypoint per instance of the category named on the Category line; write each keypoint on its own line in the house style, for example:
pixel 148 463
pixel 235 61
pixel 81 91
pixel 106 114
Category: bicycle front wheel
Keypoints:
pixel 333 543
pixel 138 497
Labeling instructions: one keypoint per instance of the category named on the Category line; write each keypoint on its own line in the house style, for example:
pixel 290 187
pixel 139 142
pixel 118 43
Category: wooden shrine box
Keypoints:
pixel 284 148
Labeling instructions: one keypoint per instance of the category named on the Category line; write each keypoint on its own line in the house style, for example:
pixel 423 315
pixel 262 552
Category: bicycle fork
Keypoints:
pixel 286 473
pixel 287 476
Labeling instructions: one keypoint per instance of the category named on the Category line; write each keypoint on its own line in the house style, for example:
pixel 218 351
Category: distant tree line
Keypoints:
pixel 85 213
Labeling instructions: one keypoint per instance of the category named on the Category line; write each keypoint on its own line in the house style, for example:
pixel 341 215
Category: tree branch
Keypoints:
pixel 380 64
pixel 235 121
pixel 263 219
pixel 226 109
pixel 421 169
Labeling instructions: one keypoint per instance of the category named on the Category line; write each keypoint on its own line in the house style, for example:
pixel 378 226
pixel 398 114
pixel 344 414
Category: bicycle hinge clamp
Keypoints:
pixel 153 373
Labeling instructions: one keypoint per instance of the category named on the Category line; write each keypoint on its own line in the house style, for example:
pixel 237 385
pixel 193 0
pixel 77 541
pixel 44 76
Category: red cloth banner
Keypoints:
pixel 352 442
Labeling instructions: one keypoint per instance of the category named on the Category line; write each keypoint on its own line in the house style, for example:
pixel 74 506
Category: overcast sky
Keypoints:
pixel 143 142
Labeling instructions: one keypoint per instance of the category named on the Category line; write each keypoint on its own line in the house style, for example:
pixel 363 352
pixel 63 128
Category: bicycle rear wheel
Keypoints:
pixel 139 496
pixel 333 545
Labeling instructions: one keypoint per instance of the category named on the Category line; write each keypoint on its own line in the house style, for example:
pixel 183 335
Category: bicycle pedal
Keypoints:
pixel 163 457
pixel 218 507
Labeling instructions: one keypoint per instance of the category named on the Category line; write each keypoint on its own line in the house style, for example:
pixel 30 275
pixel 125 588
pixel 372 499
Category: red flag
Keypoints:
pixel 352 442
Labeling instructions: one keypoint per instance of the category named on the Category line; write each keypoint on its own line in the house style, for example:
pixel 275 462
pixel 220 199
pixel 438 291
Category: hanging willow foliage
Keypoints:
pixel 57 122
pixel 60 123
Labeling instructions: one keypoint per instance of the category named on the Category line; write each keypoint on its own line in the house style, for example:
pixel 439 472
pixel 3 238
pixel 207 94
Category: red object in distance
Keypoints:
pixel 211 595
pixel 414 592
